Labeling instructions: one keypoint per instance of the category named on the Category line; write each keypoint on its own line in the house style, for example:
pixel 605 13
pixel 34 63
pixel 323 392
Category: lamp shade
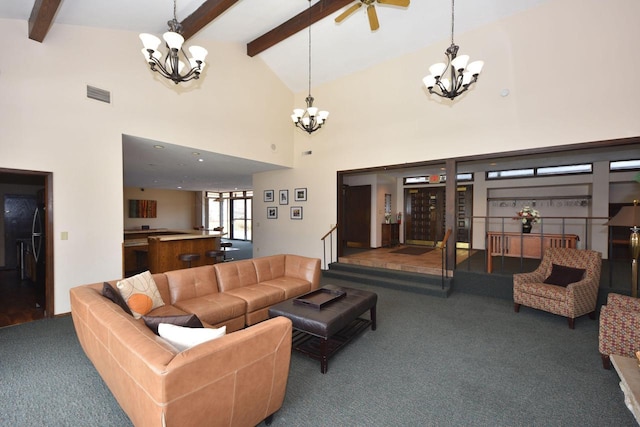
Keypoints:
pixel 429 81
pixel 150 41
pixel 629 216
pixel 460 62
pixel 198 53
pixel 174 40
pixel 436 70
pixel 475 67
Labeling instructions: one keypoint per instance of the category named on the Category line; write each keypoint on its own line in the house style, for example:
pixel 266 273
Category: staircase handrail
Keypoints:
pixel 324 246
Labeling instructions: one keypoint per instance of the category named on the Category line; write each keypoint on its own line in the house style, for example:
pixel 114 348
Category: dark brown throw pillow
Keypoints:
pixel 188 320
pixel 562 275
pixel 112 294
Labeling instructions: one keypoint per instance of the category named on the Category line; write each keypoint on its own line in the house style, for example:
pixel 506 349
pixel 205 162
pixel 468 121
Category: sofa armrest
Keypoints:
pixel 532 277
pixel 623 302
pixel 303 268
pixel 240 378
pixel 619 331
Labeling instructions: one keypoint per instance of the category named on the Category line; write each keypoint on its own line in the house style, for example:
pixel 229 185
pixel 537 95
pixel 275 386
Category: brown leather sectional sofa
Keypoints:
pixel 237 380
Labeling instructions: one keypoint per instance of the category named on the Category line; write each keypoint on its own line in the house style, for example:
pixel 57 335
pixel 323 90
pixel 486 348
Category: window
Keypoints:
pixel 511 173
pixel 564 170
pixel 231 210
pixel 624 165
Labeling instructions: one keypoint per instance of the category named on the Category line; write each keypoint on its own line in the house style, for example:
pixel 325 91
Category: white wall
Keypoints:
pixel 48 124
pixel 556 60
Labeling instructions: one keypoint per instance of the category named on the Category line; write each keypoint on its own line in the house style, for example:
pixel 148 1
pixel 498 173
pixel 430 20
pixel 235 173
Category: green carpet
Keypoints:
pixel 466 360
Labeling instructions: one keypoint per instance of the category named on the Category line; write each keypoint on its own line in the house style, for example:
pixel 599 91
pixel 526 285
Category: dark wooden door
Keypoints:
pixel 464 212
pixel 18 219
pixel 357 216
pixel 425 215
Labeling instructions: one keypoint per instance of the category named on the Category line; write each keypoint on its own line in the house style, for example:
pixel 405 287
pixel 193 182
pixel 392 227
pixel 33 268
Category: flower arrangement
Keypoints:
pixel 528 215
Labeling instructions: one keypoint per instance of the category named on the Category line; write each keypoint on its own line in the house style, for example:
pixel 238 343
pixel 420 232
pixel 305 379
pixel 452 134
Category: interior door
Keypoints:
pixel 425 215
pixel 18 218
pixel 357 216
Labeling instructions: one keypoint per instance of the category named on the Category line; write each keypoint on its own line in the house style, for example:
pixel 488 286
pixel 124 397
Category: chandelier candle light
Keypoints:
pixel 461 75
pixel 309 119
pixel 172 66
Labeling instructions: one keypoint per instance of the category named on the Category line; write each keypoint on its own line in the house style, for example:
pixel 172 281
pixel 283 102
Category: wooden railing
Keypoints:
pixel 329 235
pixel 524 245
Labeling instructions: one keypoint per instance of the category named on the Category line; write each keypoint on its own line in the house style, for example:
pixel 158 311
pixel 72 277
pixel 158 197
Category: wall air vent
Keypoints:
pixel 98 94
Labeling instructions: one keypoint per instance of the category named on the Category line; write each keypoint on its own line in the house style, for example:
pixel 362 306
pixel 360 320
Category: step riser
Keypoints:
pixel 429 288
pixel 381 272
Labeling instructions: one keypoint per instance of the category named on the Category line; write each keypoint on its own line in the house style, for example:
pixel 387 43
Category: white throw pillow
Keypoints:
pixel 182 337
pixel 140 293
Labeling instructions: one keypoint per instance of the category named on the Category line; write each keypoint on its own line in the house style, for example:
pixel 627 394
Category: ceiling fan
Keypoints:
pixel 371 10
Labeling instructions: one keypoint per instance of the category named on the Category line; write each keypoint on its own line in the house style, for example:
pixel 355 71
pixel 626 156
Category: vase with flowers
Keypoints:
pixel 528 216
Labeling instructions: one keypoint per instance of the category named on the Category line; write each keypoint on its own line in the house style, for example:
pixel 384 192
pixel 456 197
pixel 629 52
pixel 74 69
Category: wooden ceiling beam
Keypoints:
pixel 41 18
pixel 318 11
pixel 206 13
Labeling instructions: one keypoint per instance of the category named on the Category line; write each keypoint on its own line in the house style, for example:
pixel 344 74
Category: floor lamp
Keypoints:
pixel 629 216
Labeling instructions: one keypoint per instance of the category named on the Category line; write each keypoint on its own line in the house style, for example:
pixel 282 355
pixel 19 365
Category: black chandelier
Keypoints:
pixel 172 66
pixel 309 119
pixel 461 75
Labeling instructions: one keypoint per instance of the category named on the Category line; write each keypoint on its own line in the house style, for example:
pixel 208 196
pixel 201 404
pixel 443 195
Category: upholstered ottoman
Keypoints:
pixel 321 330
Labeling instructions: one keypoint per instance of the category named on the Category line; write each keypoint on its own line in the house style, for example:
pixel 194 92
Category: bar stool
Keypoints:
pixel 224 246
pixel 216 255
pixel 188 258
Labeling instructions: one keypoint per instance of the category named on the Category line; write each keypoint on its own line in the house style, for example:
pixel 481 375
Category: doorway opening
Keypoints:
pixel 26 252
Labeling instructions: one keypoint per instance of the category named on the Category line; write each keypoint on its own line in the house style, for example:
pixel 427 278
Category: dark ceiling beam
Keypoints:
pixel 318 11
pixel 41 18
pixel 206 13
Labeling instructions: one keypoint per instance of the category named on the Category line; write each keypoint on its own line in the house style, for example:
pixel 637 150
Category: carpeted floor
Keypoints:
pixel 465 360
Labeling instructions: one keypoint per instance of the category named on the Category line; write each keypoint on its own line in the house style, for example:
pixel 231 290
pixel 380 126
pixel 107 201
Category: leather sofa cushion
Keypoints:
pixel 258 296
pixel 191 283
pixel 237 274
pixel 291 286
pixel 214 308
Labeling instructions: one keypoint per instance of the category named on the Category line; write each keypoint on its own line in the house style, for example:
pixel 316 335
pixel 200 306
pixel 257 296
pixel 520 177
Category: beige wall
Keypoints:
pixel 570 68
pixel 570 65
pixel 176 210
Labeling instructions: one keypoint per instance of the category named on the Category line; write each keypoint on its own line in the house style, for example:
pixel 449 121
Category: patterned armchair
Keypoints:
pixel 571 300
pixel 619 327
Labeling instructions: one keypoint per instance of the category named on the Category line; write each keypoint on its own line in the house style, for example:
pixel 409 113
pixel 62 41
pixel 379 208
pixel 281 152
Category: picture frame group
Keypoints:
pixel 295 212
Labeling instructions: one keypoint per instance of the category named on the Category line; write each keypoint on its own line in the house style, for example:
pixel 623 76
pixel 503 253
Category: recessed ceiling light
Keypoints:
pixel 179 187
pixel 201 160
pixel 195 153
pixel 158 146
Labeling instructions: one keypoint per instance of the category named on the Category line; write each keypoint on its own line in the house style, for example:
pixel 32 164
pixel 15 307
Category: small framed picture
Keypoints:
pixel 284 197
pixel 268 196
pixel 296 212
pixel 272 212
pixel 300 195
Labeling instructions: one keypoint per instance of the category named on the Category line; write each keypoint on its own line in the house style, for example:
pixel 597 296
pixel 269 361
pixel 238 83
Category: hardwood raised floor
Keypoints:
pixel 427 263
pixel 21 302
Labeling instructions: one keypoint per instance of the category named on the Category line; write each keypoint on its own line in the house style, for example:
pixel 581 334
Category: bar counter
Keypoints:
pixel 157 250
pixel 165 249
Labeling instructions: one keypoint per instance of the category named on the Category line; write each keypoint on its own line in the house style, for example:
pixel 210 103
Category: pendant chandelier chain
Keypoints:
pixel 309 24
pixel 452 19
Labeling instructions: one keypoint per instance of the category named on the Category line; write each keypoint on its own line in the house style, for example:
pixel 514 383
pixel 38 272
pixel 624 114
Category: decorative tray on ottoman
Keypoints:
pixel 320 297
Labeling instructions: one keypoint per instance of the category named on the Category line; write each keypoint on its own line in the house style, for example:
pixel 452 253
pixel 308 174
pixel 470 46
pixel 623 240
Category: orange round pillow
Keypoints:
pixel 140 303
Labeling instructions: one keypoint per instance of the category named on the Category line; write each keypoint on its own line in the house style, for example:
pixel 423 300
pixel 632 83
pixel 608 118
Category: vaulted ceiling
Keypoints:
pixel 272 31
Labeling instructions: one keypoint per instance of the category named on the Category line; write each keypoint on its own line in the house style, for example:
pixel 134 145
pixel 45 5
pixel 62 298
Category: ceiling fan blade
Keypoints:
pixel 403 3
pixel 373 17
pixel 348 12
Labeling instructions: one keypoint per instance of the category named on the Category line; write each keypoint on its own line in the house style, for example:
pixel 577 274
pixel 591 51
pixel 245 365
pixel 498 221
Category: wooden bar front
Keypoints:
pixel 164 250
pixel 524 245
